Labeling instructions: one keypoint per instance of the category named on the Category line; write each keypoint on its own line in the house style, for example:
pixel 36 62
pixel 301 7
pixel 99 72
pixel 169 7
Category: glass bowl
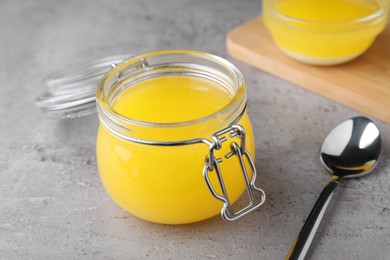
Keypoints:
pixel 325 32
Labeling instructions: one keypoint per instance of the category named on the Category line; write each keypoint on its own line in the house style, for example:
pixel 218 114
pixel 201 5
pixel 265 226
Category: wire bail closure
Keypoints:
pixel 212 164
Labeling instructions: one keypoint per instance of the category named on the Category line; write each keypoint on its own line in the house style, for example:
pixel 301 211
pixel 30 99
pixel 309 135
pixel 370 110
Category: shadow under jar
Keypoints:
pixel 175 144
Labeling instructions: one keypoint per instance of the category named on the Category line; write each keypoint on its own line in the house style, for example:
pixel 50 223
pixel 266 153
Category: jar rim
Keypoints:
pixel 123 124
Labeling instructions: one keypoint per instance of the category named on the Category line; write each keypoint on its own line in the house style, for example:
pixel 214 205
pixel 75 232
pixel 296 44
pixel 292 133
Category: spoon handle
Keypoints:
pixel 305 237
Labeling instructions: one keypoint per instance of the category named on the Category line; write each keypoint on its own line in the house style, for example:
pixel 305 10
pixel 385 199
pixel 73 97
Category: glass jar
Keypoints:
pixel 175 144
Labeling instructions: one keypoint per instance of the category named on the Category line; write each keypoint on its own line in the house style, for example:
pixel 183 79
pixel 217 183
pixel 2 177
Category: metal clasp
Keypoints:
pixel 255 194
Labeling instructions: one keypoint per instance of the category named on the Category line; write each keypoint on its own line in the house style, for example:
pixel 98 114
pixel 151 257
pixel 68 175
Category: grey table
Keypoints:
pixel 52 203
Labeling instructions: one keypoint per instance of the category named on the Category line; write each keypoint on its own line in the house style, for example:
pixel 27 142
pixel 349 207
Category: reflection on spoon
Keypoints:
pixel 351 149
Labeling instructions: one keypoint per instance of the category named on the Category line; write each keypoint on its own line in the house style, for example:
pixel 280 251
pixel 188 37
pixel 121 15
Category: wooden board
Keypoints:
pixel 362 84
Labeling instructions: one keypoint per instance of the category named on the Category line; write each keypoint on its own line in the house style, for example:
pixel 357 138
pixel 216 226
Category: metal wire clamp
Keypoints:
pixel 255 194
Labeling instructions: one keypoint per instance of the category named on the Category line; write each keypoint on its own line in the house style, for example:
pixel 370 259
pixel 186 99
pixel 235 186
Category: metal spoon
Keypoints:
pixel 351 149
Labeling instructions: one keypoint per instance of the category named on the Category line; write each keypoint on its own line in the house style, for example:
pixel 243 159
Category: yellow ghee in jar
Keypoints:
pixel 165 184
pixel 324 32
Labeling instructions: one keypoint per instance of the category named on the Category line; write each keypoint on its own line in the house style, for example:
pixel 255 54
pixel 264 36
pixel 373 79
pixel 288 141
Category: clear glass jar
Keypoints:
pixel 175 142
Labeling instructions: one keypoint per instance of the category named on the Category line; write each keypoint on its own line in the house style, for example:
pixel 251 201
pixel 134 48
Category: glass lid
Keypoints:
pixel 71 93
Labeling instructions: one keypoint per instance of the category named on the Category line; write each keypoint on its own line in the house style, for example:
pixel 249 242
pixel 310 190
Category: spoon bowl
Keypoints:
pixel 351 149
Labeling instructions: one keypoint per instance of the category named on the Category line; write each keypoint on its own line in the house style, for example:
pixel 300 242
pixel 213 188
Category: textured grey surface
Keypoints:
pixel 52 204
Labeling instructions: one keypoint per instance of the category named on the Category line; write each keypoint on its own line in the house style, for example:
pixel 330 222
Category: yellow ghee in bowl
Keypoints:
pixel 324 32
pixel 164 183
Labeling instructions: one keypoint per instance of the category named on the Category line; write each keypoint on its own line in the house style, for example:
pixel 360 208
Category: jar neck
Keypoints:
pixel 164 63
